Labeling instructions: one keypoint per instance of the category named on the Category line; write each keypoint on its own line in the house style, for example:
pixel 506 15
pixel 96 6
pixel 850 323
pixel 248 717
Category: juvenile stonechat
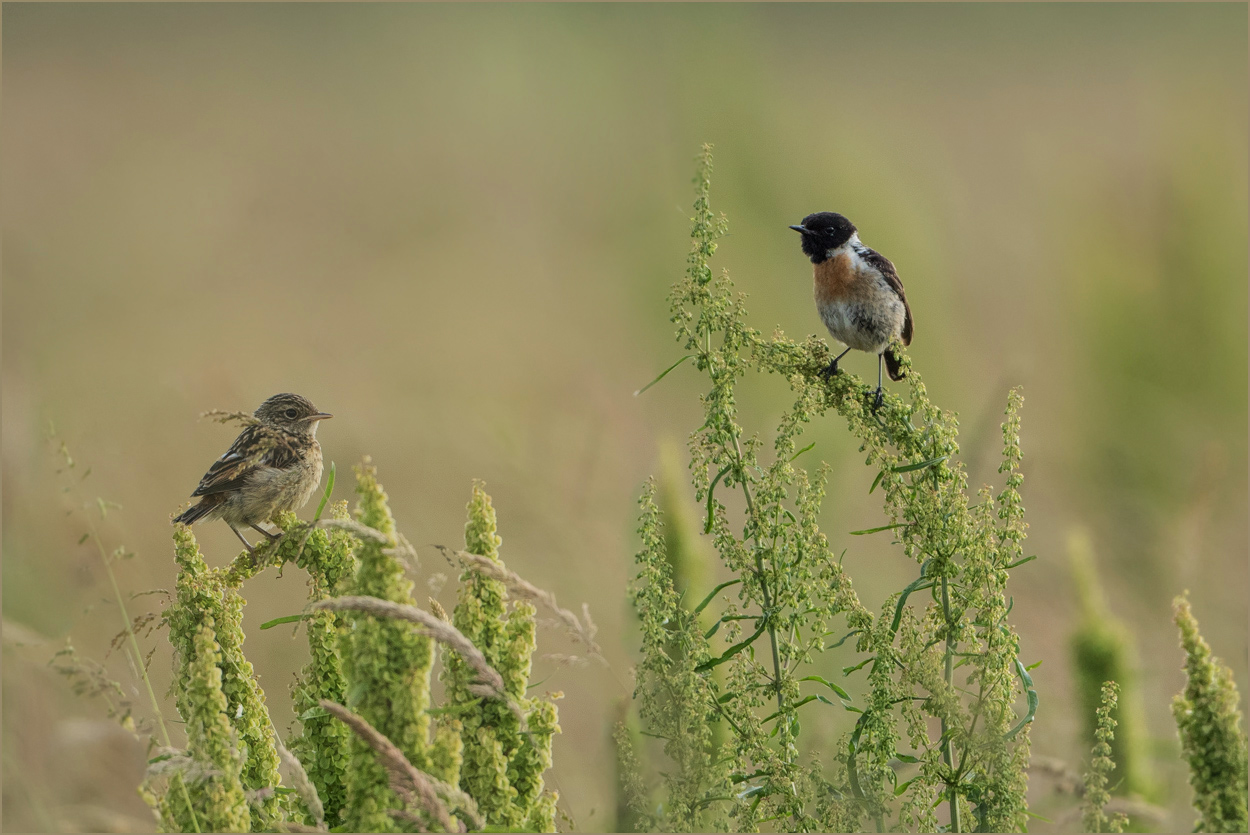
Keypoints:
pixel 274 465
pixel 858 292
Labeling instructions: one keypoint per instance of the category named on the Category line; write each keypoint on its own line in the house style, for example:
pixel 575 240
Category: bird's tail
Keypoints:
pixel 196 512
pixel 894 365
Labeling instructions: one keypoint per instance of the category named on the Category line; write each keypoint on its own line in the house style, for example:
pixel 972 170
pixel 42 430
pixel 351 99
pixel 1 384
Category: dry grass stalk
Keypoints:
pixel 170 761
pixel 361 532
pixel 1140 810
pixel 413 819
pixel 302 784
pixel 1064 778
pixel 223 416
pixel 414 787
pixel 583 629
pixel 465 805
pixel 566 660
pixel 404 552
pixel 292 826
pixel 490 682
pixel 356 529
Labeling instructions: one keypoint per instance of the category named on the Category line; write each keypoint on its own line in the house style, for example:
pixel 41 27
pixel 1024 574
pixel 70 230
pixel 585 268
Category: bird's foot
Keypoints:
pixel 878 400
pixel 830 370
pixel 270 536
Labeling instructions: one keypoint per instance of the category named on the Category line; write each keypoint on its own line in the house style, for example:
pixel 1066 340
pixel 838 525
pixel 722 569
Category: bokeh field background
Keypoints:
pixel 454 228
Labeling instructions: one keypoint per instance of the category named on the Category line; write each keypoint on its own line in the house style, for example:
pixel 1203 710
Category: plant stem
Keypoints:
pixel 759 570
pixel 952 795
pixel 143 669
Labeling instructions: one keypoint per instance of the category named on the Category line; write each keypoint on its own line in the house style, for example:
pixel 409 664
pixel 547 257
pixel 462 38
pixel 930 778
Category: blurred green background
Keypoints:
pixel 454 228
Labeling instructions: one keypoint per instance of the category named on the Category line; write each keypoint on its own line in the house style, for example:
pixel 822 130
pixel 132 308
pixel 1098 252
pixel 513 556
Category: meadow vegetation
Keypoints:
pixel 935 711
pixel 940 737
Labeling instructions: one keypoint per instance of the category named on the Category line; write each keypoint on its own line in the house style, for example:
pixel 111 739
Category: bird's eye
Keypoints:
pixel 291 413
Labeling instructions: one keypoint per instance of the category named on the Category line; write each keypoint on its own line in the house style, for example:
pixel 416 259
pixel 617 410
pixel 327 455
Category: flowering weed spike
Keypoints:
pixel 202 596
pixel 386 665
pixel 1208 720
pixel 1101 649
pixel 211 741
pixel 323 745
pixel 944 651
pixel 1100 767
pixel 503 758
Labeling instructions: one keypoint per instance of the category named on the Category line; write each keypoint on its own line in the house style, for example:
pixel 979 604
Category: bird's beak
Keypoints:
pixel 321 416
pixel 800 229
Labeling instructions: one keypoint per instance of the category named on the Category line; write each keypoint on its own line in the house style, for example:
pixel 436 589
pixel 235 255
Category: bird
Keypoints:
pixel 273 466
pixel 858 292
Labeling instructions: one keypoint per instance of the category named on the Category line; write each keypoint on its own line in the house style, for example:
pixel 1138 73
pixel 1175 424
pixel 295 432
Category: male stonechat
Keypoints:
pixel 858 292
pixel 274 465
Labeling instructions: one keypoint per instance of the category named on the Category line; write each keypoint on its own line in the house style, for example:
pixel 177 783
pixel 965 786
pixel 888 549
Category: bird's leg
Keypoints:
pixel 833 366
pixel 270 536
pixel 246 544
pixel 880 398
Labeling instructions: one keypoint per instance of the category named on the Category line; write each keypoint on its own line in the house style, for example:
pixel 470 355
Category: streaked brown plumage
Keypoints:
pixel 273 466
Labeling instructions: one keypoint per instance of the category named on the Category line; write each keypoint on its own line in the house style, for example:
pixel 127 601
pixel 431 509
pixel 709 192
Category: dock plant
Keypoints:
pixel 373 754
pixel 943 719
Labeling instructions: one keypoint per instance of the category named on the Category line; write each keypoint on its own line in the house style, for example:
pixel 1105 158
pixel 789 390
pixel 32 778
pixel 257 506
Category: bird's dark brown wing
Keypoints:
pixel 886 268
pixel 257 446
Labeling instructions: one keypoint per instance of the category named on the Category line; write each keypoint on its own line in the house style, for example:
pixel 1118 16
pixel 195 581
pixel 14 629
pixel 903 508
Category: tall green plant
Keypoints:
pixel 1208 720
pixel 505 753
pixel 386 664
pixel 208 599
pixel 324 744
pixel 369 756
pixel 1102 765
pixel 1102 650
pixel 954 658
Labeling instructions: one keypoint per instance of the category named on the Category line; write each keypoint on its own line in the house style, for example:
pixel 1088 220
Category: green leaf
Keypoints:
pixel 313 713
pixel 920 583
pixel 770 717
pixel 803 450
pixel 905 758
pixel 902 787
pixel 919 465
pixel 713 630
pixel 663 374
pixel 842 694
pixel 1021 561
pixel 1033 666
pixel 325 496
pixel 83 538
pixel 846 671
pixel 708 527
pixel 878 530
pixel 1030 694
pixel 852 747
pixel 712 594
pixel 269 624
pixel 876 481
pixel 844 638
pixel 732 651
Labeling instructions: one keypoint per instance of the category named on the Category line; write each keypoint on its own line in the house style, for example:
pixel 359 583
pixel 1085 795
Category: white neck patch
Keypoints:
pixel 850 246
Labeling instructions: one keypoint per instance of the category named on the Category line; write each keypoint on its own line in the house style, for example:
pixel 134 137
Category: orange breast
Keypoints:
pixel 834 279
